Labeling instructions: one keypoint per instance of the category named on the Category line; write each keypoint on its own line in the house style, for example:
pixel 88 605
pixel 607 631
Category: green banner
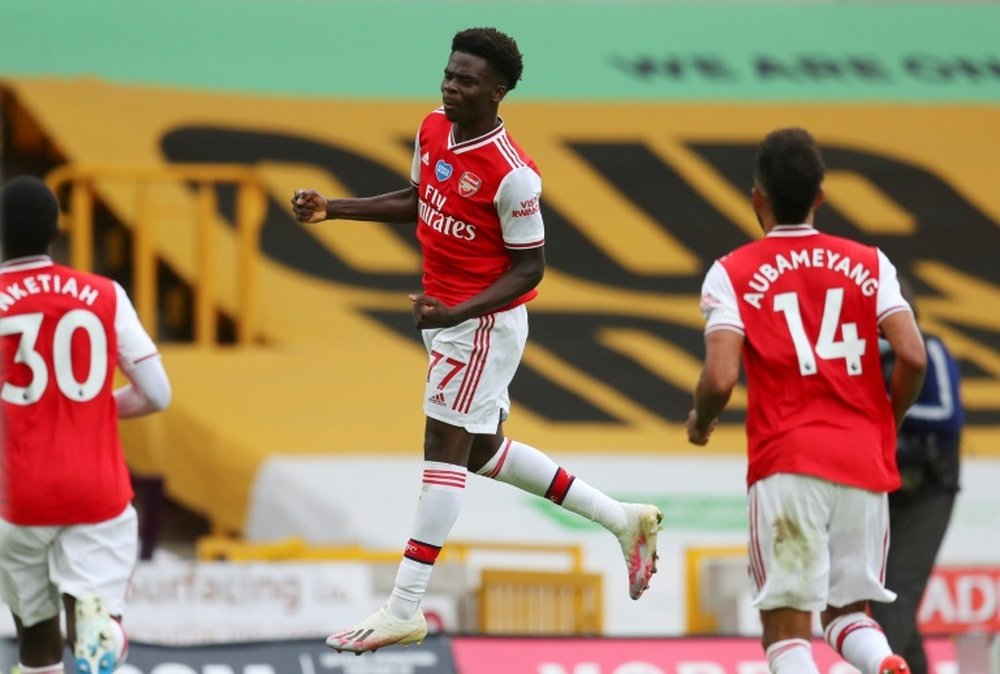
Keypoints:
pixel 574 49
pixel 693 512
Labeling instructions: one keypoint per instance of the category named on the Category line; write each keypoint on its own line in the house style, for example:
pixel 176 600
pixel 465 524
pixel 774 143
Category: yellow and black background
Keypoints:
pixel 644 121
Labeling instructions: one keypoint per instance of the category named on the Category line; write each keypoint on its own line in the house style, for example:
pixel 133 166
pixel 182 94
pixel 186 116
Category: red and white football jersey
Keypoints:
pixel 62 333
pixel 809 305
pixel 477 200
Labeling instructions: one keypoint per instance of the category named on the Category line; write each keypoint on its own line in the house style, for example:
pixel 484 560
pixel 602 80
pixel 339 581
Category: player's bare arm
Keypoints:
pixel 310 206
pixel 526 271
pixel 723 349
pixel 907 343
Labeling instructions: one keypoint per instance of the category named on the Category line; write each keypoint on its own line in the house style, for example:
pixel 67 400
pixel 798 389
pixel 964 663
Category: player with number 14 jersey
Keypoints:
pixel 808 305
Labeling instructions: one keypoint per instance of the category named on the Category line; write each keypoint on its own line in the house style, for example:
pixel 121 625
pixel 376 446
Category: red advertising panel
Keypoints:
pixel 646 656
pixel 961 599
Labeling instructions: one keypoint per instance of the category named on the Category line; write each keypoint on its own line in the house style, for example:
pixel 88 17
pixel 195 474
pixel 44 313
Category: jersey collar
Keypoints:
pixel 25 263
pixel 473 143
pixel 793 230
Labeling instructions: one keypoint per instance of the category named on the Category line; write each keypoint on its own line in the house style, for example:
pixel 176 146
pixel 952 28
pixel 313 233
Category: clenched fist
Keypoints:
pixel 309 206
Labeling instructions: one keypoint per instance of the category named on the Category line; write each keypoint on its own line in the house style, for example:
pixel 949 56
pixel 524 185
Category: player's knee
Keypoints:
pixel 831 613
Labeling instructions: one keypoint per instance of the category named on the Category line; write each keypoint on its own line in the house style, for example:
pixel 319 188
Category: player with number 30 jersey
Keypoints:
pixel 63 333
pixel 67 526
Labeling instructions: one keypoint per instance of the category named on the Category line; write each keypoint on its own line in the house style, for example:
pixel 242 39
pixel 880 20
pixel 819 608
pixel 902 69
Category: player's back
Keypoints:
pixel 817 404
pixel 62 460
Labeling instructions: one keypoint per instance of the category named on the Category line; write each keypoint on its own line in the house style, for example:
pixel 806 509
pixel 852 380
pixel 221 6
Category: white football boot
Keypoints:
pixel 638 541
pixel 378 630
pixel 94 649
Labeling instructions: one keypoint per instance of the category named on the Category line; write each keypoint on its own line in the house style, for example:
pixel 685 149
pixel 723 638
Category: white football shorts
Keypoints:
pixel 815 543
pixel 470 367
pixel 39 564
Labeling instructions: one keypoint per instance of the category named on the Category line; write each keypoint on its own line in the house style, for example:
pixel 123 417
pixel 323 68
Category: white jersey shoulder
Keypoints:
pixel 718 301
pixel 134 343
pixel 518 204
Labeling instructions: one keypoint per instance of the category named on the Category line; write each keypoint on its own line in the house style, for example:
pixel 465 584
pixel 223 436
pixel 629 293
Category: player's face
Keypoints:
pixel 470 90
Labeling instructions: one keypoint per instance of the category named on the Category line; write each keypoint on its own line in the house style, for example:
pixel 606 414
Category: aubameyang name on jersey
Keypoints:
pixel 815 258
pixel 430 205
pixel 45 283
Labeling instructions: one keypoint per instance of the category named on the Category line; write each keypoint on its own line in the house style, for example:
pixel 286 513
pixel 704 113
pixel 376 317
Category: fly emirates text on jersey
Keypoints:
pixel 815 258
pixel 431 204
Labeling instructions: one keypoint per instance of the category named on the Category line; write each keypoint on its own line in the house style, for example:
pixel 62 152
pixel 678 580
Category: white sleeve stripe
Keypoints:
pixel 505 153
pixel 530 244
pixel 724 326
pixel 892 310
pixel 504 143
pixel 505 140
pixel 946 405
pixel 146 357
pixel 508 152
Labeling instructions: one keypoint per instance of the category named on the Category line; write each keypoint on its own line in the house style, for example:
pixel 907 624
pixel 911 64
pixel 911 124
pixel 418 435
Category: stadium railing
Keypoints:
pixel 716 583
pixel 81 182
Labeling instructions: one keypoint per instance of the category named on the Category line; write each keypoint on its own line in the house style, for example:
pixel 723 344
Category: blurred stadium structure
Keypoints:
pixel 293 434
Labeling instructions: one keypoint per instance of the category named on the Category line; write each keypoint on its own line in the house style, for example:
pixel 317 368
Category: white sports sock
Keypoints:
pixel 859 640
pixel 529 469
pixel 791 656
pixel 437 509
pixel 120 640
pixel 57 668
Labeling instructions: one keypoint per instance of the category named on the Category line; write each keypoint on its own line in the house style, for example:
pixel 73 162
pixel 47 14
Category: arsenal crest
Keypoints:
pixel 469 184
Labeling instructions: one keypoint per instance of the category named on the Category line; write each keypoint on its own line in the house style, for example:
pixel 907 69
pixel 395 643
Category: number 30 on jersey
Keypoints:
pixel 28 326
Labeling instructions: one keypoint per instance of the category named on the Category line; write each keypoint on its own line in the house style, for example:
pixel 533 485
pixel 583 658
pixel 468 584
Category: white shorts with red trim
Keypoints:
pixel 815 543
pixel 38 564
pixel 471 365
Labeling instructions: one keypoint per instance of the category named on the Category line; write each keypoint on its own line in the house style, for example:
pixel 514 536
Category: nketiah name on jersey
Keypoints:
pixel 45 283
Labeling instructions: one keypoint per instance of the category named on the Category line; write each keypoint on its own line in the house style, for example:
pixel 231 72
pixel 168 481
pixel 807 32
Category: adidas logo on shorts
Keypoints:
pixel 437 399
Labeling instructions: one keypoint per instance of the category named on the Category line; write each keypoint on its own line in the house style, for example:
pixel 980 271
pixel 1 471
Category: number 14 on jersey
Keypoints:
pixel 851 348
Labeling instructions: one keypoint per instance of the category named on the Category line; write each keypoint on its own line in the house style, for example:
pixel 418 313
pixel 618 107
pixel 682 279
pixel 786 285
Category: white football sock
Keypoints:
pixel 859 640
pixel 529 469
pixel 791 656
pixel 437 509
pixel 120 640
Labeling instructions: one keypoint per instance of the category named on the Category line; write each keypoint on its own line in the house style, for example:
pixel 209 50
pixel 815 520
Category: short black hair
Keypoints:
pixel 29 217
pixel 790 171
pixel 499 49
